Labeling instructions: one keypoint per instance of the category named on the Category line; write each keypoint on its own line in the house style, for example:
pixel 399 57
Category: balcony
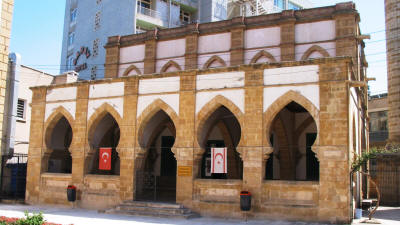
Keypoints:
pixel 148 18
pixel 190 3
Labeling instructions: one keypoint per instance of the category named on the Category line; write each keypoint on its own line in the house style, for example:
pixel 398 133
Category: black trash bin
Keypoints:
pixel 245 201
pixel 71 193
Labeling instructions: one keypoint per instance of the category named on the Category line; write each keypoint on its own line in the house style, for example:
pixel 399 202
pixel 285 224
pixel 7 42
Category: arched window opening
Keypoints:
pixel 105 135
pixel 221 129
pixel 293 132
pixel 156 172
pixel 60 160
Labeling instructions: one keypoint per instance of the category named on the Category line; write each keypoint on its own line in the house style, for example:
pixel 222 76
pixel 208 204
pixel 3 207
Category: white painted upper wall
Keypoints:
pixel 318 31
pixel 271 94
pixel 159 85
pixel 220 80
pixel 214 43
pixel 132 53
pixel 68 106
pixel 202 59
pixel 172 100
pixel 330 47
pixel 106 90
pixel 161 62
pixel 235 96
pixel 116 103
pixel 256 38
pixel 172 48
pixel 122 68
pixel 249 54
pixel 291 75
pixel 57 94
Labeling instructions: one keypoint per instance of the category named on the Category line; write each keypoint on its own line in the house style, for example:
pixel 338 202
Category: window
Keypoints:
pixel 96 47
pixel 144 3
pixel 93 73
pixel 21 109
pixel 280 3
pixel 97 21
pixel 184 17
pixel 293 6
pixel 70 62
pixel 71 38
pixel 73 16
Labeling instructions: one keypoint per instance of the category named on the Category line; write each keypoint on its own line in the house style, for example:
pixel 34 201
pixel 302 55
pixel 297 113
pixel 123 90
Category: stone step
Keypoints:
pixel 154 209
pixel 174 211
pixel 152 204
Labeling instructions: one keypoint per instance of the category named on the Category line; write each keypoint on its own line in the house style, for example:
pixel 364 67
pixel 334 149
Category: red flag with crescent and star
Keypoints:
pixel 218 160
pixel 105 159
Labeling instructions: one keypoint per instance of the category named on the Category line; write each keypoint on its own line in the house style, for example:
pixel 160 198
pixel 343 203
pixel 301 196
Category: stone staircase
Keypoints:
pixel 153 209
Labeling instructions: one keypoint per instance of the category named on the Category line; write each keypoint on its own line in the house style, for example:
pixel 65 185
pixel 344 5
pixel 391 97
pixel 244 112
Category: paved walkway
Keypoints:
pixel 386 215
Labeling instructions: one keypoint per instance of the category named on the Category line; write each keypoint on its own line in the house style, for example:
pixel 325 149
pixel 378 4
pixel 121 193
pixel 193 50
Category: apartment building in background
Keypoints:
pixel 87 24
pixel 378 119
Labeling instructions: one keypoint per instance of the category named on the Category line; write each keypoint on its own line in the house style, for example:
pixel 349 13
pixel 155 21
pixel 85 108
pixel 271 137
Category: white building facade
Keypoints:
pixel 87 24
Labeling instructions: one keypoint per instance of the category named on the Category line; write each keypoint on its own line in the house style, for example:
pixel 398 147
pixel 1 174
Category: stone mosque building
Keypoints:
pixel 286 94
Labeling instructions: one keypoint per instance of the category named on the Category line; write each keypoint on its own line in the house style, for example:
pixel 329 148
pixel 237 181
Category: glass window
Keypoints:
pixel 96 47
pixel 70 63
pixel 280 3
pixel 184 16
pixel 97 21
pixel 293 6
pixel 21 109
pixel 71 38
pixel 144 3
pixel 73 16
pixel 93 73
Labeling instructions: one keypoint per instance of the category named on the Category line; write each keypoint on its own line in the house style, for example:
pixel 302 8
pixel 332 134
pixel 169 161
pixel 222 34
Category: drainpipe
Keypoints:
pixel 134 15
pixel 10 104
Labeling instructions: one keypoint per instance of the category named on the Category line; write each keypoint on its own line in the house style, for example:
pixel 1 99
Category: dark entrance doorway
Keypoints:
pixel 156 175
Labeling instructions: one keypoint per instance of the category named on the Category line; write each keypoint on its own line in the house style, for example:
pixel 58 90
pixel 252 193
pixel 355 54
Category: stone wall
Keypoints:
pixel 246 92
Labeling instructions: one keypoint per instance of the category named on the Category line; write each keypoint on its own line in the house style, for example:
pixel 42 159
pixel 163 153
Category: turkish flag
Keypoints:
pixel 105 159
pixel 218 160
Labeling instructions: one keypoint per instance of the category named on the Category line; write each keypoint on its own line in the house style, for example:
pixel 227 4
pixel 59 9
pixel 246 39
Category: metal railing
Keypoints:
pixel 149 12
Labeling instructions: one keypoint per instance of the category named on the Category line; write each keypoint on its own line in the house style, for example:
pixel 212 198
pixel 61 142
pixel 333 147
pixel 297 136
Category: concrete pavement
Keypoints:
pixel 386 215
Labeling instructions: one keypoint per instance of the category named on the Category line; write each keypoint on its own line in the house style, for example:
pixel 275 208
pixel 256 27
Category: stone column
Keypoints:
pixel 288 36
pixel 250 147
pixel 127 140
pixel 346 28
pixel 183 148
pixel 79 145
pixel 36 146
pixel 150 52
pixel 332 145
pixel 237 41
pixel 392 13
pixel 111 65
pixel 191 47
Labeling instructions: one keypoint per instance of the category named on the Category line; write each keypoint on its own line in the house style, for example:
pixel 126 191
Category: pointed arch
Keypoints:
pixel 148 113
pixel 52 121
pixel 312 49
pixel 209 108
pixel 279 104
pixel 213 59
pixel 97 117
pixel 130 69
pixel 170 64
pixel 263 54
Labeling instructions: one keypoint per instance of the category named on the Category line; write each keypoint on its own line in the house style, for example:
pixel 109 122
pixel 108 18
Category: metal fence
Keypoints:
pixel 13 176
pixel 385 171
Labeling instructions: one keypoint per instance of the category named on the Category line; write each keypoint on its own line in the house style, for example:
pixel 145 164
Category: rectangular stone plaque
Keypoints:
pixel 184 171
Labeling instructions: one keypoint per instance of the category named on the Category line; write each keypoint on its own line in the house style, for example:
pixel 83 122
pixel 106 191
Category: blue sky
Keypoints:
pixel 38 25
